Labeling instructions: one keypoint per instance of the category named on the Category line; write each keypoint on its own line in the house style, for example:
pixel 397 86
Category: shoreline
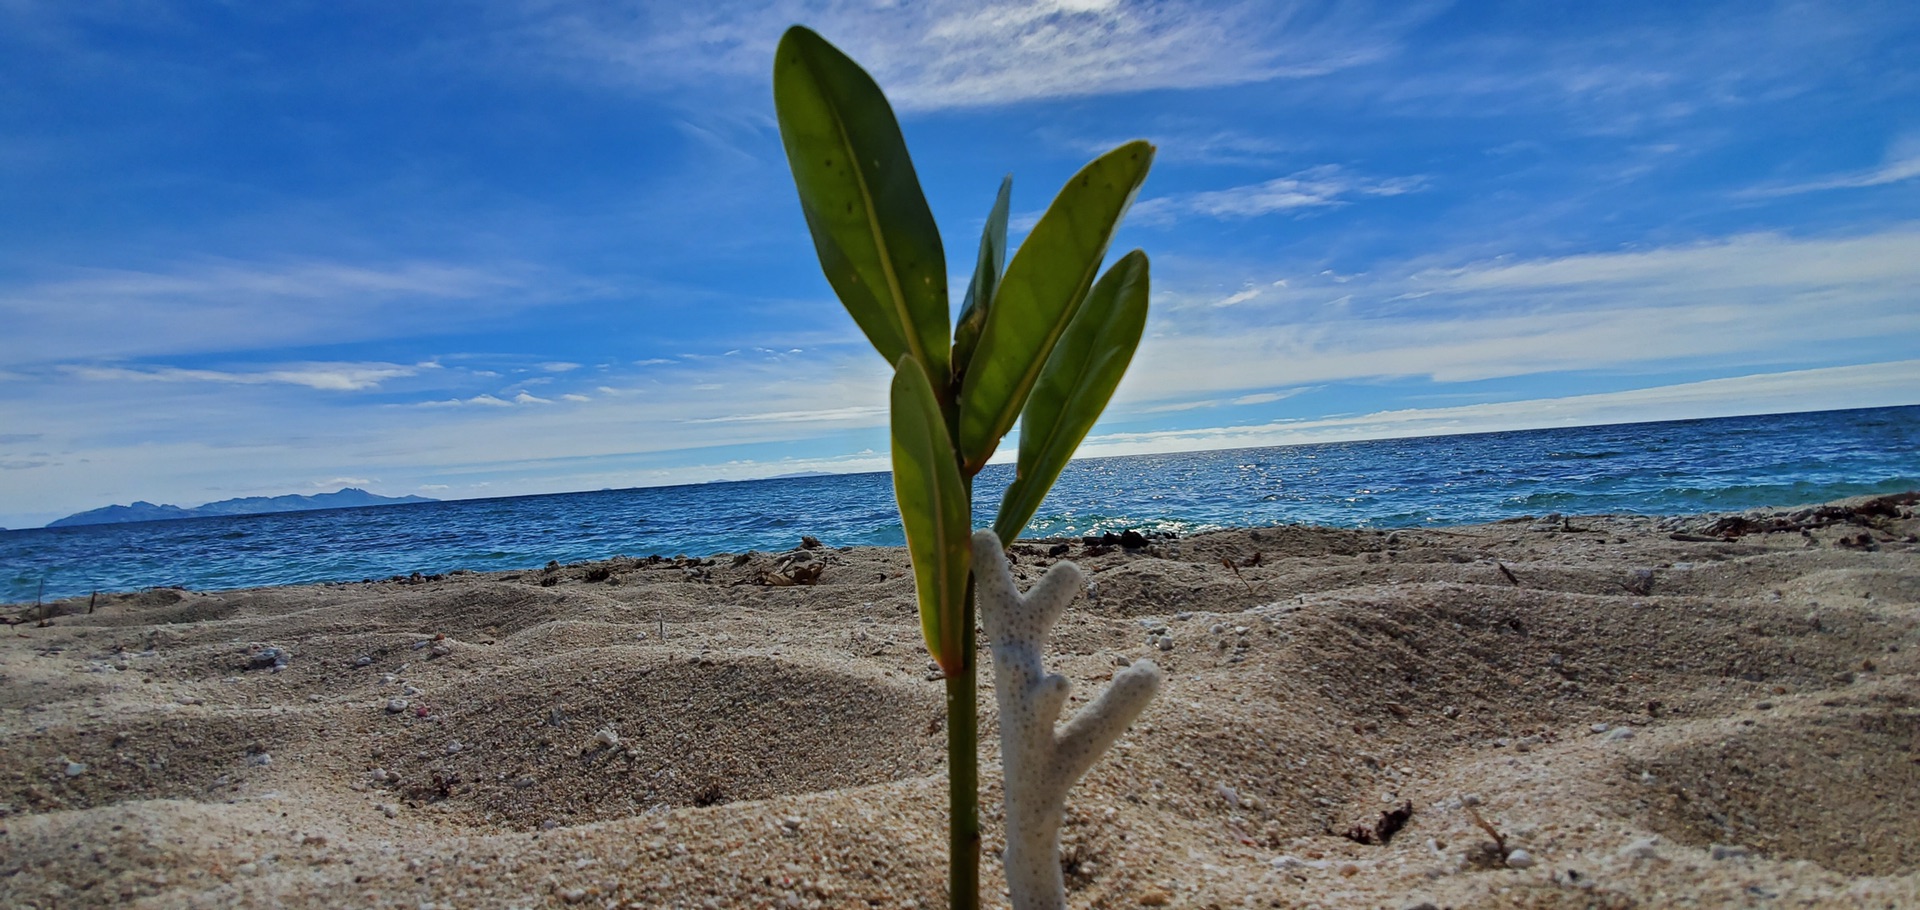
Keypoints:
pixel 1698 522
pixel 1612 697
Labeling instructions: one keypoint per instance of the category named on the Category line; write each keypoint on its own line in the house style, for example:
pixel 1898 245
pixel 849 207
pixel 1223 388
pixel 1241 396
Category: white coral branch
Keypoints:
pixel 1041 766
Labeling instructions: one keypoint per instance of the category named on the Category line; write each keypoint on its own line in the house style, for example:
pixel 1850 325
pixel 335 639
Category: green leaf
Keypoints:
pixel 1039 294
pixel 936 513
pixel 1075 386
pixel 986 276
pixel 871 226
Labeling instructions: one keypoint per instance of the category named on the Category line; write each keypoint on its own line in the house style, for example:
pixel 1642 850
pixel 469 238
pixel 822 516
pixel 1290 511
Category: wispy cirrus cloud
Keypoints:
pixel 1324 186
pixel 1884 384
pixel 1752 299
pixel 488 400
pixel 1894 170
pixel 964 53
pixel 230 306
pixel 342 377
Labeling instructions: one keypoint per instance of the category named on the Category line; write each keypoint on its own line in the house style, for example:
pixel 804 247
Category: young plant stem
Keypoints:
pixel 963 778
pixel 963 754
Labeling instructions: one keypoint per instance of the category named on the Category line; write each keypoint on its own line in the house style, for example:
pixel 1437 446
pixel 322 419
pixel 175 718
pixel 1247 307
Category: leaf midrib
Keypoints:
pixel 899 299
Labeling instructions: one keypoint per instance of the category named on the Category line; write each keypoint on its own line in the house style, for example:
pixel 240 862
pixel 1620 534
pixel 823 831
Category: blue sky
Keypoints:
pixel 525 246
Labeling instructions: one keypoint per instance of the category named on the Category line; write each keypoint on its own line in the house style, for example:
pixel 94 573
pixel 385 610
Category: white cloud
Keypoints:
pixel 224 307
pixel 1266 397
pixel 957 53
pixel 483 400
pixel 341 377
pixel 862 414
pixel 570 396
pixel 525 398
pixel 559 366
pixel 1893 171
pixel 1747 300
pixel 1868 385
pixel 1324 186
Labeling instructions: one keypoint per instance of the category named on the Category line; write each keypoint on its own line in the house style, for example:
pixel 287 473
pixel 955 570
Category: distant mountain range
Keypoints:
pixel 348 498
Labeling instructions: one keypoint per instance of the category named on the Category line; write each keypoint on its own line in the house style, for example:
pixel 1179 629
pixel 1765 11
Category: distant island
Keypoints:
pixel 348 498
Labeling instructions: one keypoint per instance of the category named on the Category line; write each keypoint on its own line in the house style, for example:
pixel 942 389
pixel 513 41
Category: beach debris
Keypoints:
pixel 607 738
pixel 1228 562
pixel 75 768
pixel 1128 539
pixel 1519 859
pixel 1381 831
pixel 797 568
pixel 266 658
pixel 1040 763
pixel 1644 848
pixel 1486 855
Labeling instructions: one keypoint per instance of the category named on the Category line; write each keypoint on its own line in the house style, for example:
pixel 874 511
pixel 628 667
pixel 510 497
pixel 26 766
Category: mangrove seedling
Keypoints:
pixel 1041 339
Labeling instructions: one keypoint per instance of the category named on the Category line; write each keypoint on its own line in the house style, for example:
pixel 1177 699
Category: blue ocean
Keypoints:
pixel 1648 468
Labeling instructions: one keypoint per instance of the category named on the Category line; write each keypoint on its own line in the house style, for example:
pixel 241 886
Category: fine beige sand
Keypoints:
pixel 1710 711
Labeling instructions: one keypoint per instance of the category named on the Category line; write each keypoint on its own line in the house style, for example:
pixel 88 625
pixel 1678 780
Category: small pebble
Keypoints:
pixel 363 660
pixel 440 650
pixel 1121 660
pixel 1519 859
pixel 390 810
pixel 1619 733
pixel 76 768
pixel 1644 848
pixel 1599 728
pixel 1165 643
pixel 1727 851
pixel 260 759
pixel 274 659
pixel 454 747
pixel 396 705
pixel 606 737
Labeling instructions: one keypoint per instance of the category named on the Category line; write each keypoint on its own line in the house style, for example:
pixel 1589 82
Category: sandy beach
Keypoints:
pixel 1581 711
